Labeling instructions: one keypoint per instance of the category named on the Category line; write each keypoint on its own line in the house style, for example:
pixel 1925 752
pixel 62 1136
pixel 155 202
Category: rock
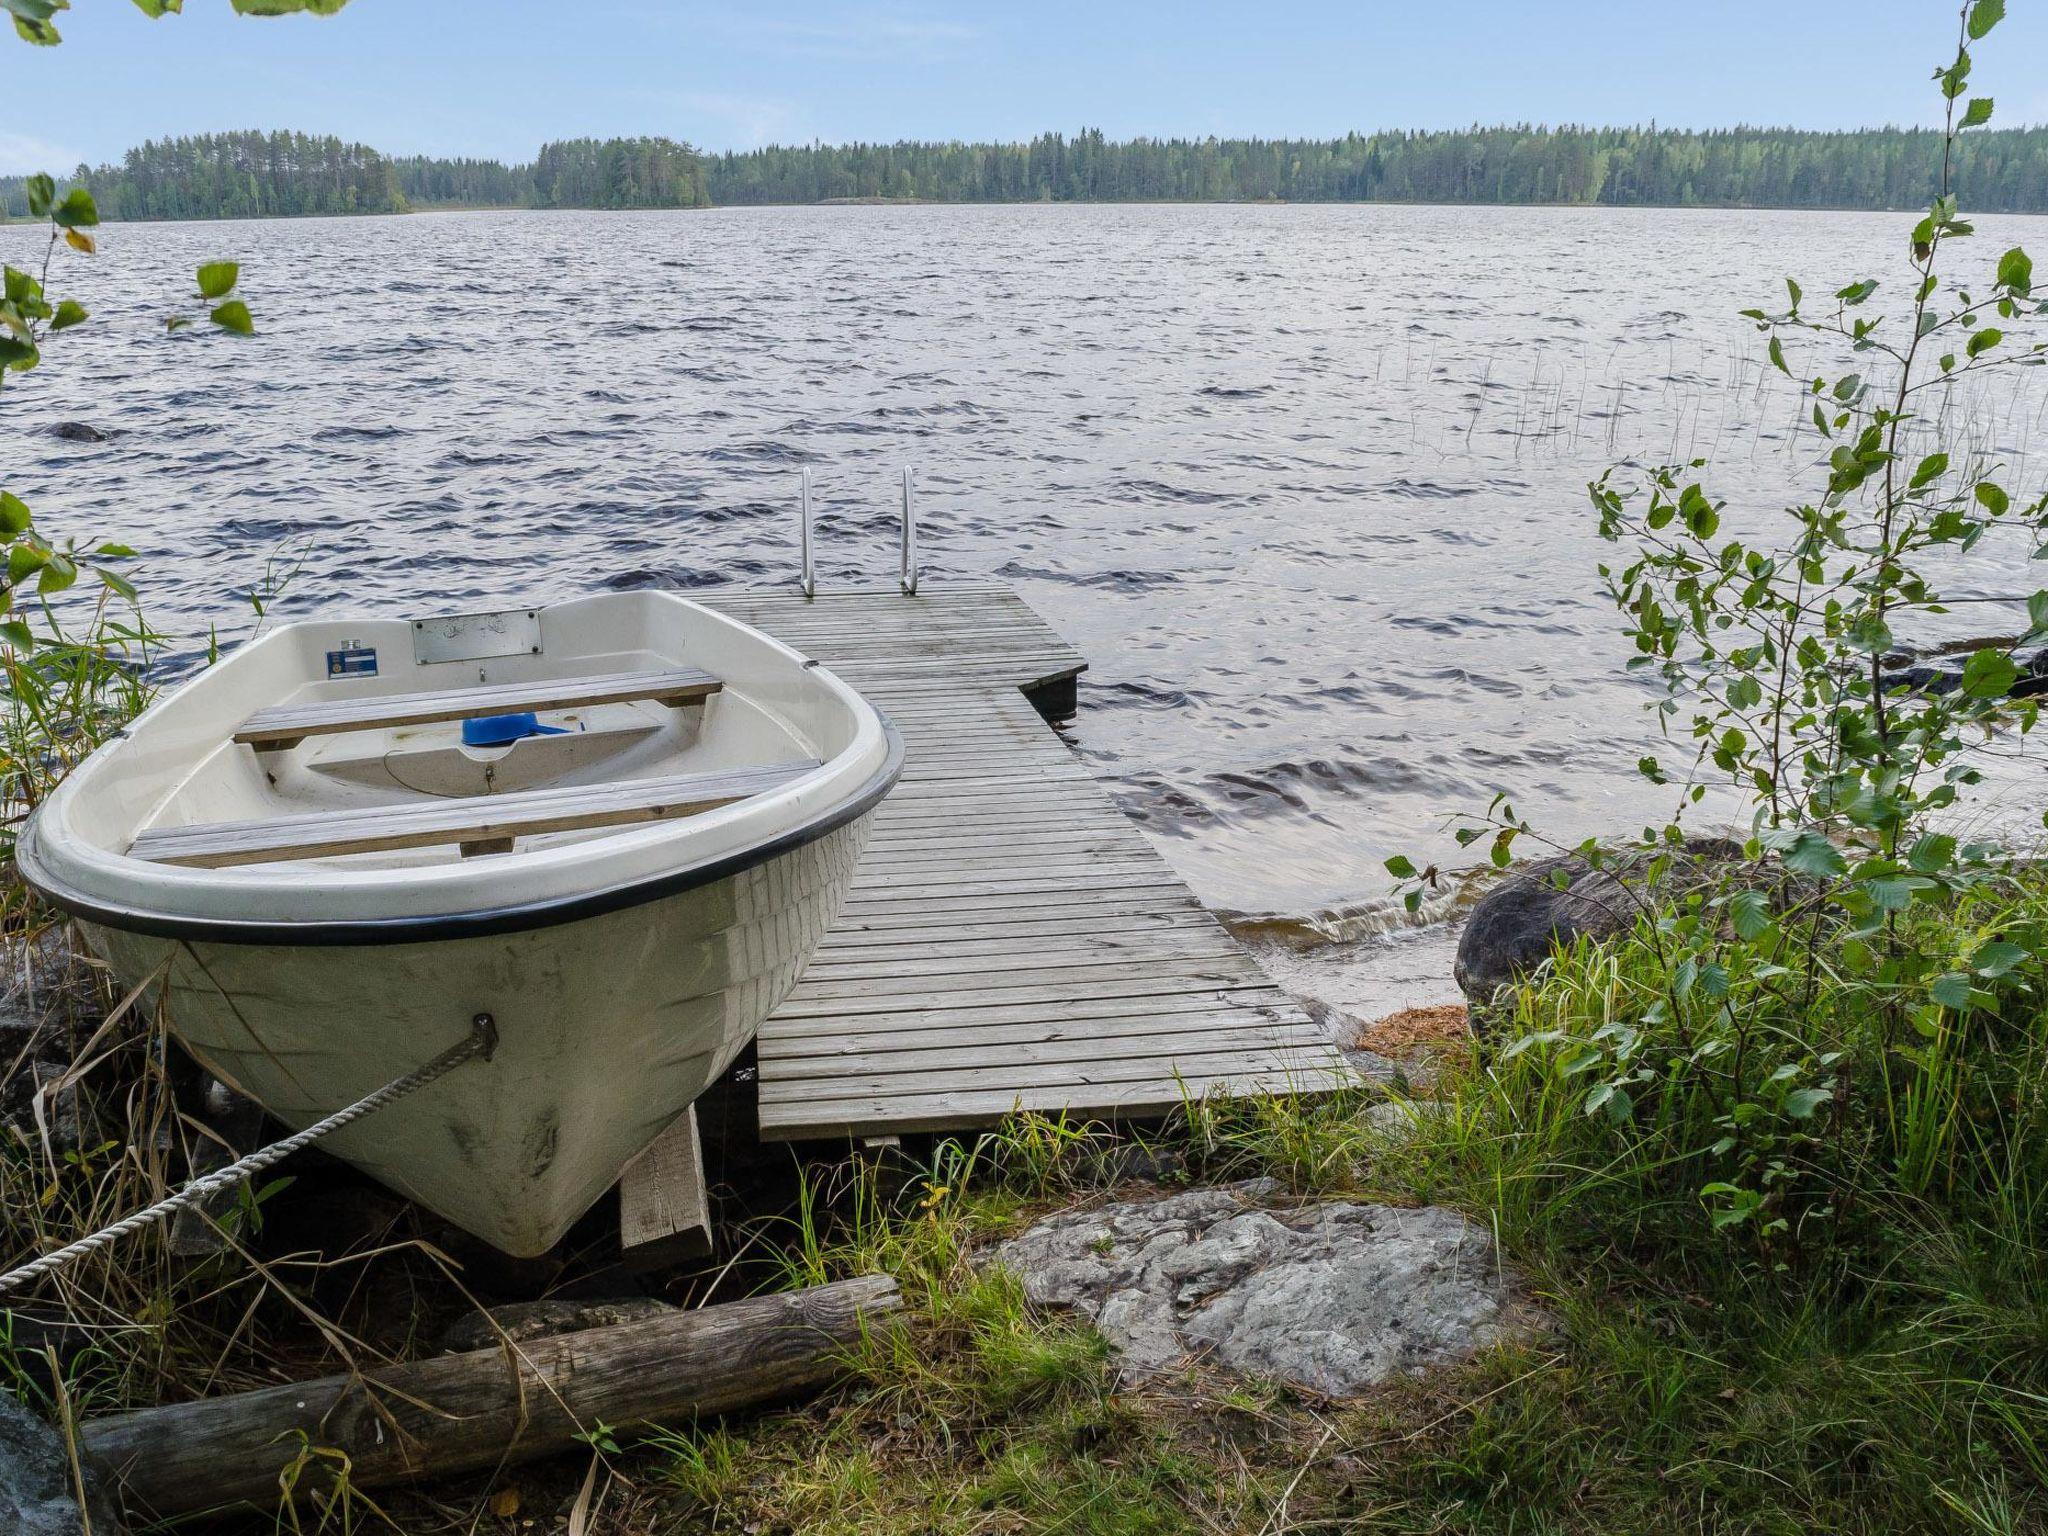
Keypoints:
pixel 1515 926
pixel 542 1319
pixel 1330 1298
pixel 80 432
pixel 1371 1066
pixel 36 1109
pixel 36 1497
pixel 48 1000
pixel 1130 1162
pixel 1397 1117
pixel 1939 668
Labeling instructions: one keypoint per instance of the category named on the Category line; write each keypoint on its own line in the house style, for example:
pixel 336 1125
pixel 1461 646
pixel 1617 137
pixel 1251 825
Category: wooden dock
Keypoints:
pixel 1011 941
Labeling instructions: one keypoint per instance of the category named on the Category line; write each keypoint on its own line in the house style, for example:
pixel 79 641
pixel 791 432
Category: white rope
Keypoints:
pixel 481 1041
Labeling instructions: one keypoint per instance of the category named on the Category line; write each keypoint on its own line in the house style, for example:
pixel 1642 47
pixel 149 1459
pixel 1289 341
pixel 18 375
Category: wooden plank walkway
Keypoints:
pixel 1011 940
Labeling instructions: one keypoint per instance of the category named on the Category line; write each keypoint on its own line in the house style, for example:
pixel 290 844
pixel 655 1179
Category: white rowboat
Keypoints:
pixel 617 825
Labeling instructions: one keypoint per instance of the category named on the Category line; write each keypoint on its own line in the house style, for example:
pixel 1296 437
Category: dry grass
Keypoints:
pixel 1440 1030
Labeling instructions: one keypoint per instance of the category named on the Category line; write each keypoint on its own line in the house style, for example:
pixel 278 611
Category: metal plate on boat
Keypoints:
pixel 352 660
pixel 477 636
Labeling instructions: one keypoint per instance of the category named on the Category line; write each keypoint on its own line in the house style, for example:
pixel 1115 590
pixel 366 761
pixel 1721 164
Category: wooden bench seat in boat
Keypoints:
pixel 286 725
pixel 479 823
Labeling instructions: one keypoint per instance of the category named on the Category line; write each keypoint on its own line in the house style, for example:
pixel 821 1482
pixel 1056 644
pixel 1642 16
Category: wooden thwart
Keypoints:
pixel 274 730
pixel 1011 940
pixel 479 823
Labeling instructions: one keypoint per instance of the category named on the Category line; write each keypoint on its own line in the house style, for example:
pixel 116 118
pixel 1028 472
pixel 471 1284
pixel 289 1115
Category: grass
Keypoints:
pixel 1867 1351
pixel 1882 1368
pixel 1888 1373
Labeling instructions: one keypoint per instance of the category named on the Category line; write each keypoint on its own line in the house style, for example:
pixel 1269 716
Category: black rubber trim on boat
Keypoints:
pixel 464 925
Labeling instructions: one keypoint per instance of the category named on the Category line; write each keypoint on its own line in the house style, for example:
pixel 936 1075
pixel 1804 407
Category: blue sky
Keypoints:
pixel 496 77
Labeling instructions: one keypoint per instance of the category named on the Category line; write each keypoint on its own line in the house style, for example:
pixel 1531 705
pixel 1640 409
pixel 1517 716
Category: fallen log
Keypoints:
pixel 461 1413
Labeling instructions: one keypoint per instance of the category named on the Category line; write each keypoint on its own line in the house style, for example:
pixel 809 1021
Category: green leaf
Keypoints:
pixel 1750 911
pixel 42 192
pixel 1983 341
pixel 1989 674
pixel 1996 958
pixel 1977 113
pixel 116 583
pixel 2016 271
pixel 1992 498
pixel 1955 78
pixel 18 355
pixel 1985 15
pixel 1801 1104
pixel 1401 867
pixel 19 636
pixel 1812 854
pixel 76 211
pixel 1932 468
pixel 1932 853
pixel 23 561
pixel 1778 357
pixel 288 7
pixel 14 515
pixel 69 313
pixel 156 9
pixel 57 576
pixel 234 316
pixel 1951 991
pixel 41 33
pixel 1894 894
pixel 217 277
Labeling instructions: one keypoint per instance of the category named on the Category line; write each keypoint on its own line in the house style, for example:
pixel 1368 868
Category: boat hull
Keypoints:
pixel 608 1027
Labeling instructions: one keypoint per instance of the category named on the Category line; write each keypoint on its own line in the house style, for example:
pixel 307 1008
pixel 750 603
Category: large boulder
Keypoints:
pixel 36 1491
pixel 1515 925
pixel 1330 1297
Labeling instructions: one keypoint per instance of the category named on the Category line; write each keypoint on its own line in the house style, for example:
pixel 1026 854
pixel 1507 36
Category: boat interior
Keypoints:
pixel 539 749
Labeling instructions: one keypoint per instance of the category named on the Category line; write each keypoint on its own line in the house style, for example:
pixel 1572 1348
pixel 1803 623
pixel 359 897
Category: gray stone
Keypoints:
pixel 1130 1162
pixel 1330 1298
pixel 47 998
pixel 1371 1066
pixel 36 1495
pixel 1939 668
pixel 1515 925
pixel 79 432
pixel 1399 1117
pixel 543 1319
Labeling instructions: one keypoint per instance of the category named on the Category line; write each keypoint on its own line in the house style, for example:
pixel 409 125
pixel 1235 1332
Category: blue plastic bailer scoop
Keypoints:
pixel 502 730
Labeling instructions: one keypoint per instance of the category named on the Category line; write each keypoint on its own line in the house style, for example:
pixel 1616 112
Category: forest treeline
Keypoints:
pixel 2003 170
pixel 265 175
pixel 242 175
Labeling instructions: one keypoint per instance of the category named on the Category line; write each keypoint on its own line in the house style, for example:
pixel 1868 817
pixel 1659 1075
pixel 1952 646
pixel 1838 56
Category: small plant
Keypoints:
pixel 1772 653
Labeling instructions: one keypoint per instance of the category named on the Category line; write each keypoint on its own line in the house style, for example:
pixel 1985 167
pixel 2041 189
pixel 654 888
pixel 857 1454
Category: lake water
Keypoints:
pixel 1305 483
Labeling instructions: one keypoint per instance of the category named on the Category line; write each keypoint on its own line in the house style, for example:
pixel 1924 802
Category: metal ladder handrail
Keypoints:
pixel 807 576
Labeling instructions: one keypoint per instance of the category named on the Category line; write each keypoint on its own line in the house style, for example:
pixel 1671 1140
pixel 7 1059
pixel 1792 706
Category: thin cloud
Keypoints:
pixel 861 36
pixel 750 121
pixel 23 154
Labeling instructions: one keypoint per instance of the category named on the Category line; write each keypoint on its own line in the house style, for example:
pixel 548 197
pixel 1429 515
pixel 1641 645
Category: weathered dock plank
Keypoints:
pixel 1011 941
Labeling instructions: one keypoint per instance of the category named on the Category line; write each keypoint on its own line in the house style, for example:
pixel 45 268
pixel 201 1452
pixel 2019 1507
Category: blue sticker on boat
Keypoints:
pixel 353 661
